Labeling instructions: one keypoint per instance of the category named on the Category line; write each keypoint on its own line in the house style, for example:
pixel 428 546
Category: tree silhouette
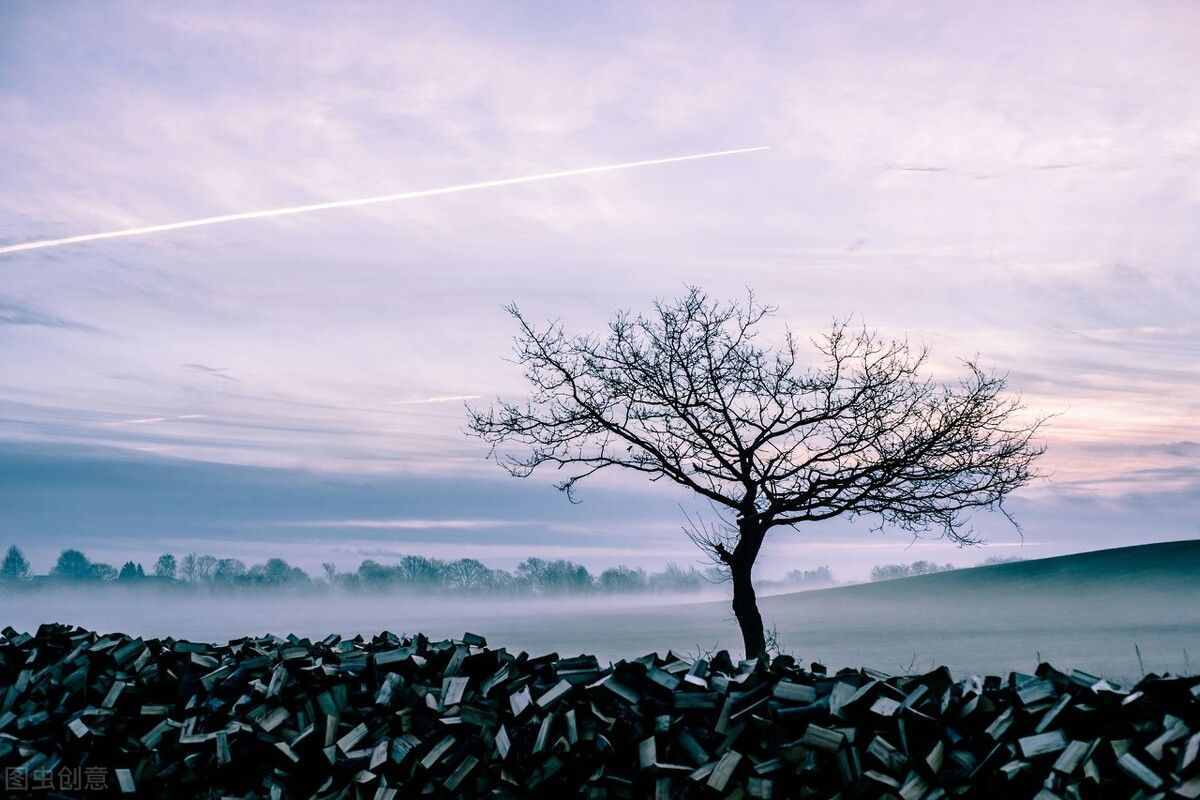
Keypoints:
pixel 467 574
pixel 228 570
pixel 204 566
pixel 104 572
pixel 187 567
pixel 15 566
pixel 74 565
pixel 622 579
pixel 687 394
pixel 164 567
pixel 131 571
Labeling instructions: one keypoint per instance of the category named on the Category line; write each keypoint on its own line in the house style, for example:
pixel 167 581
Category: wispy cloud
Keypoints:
pixel 14 313
pixel 154 420
pixel 406 524
pixel 918 168
pixel 216 372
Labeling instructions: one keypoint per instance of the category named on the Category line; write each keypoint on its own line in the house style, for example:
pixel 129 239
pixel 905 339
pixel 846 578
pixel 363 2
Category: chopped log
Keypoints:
pixel 453 690
pixel 554 694
pixel 1073 756
pixel 1134 768
pixel 520 700
pixel 794 692
pixel 722 773
pixel 438 751
pixel 1042 744
pixel 1189 754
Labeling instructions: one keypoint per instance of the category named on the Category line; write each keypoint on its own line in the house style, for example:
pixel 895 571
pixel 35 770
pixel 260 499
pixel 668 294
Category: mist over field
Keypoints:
pixel 1086 611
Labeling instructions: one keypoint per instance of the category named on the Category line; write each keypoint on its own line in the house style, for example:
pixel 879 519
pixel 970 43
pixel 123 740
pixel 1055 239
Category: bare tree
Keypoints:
pixel 187 567
pixel 164 567
pixel 205 565
pixel 688 394
pixel 467 574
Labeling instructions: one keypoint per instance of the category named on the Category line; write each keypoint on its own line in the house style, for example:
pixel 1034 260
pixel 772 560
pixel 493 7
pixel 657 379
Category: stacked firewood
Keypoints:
pixel 89 715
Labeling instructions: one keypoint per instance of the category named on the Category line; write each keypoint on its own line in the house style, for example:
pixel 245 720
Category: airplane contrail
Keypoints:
pixel 364 201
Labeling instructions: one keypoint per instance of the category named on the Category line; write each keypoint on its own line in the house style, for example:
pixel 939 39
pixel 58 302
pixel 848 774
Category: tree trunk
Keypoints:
pixel 745 603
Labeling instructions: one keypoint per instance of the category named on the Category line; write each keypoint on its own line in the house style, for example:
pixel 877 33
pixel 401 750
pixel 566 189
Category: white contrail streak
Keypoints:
pixel 441 398
pixel 364 201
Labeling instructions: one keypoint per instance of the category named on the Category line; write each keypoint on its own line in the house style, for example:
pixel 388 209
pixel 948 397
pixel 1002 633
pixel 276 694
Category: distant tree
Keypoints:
pixel 622 579
pixel 277 572
pixel 187 568
pixel 165 566
pixel 531 572
pixel 281 571
pixel 104 572
pixel 887 572
pixel 467 574
pixel 331 573
pixel 992 561
pixel 688 394
pixel 676 579
pixel 418 571
pixel 15 566
pixel 205 566
pixel 555 576
pixel 929 567
pixel 373 575
pixel 73 565
pixel 810 577
pixel 228 570
pixel 129 572
pixel 504 581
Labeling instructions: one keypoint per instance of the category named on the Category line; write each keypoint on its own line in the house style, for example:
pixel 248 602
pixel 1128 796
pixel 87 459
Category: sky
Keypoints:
pixel 1016 184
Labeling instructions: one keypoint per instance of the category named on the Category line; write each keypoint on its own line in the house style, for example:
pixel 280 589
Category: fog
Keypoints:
pixel 957 619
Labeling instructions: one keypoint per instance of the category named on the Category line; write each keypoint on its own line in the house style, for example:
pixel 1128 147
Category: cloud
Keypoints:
pixel 216 372
pixel 14 313
pixel 405 524
pixel 154 420
pixel 1078 282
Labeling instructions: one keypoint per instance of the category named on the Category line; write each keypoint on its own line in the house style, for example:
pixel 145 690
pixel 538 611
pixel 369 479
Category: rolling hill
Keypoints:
pixel 1156 568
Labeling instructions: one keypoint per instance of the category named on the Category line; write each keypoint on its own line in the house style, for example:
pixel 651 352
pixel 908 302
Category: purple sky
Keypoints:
pixel 1020 183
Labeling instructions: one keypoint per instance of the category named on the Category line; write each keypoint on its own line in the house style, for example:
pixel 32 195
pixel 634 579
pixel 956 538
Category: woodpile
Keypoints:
pixel 91 715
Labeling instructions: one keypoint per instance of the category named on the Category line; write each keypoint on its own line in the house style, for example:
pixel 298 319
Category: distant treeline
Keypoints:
pixel 887 572
pixel 462 576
